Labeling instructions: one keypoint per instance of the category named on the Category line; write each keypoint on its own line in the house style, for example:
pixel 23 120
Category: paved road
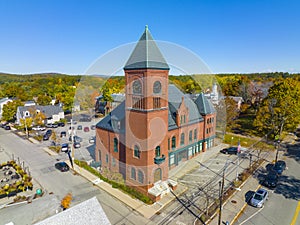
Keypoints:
pixel 41 166
pixel 283 201
pixel 203 184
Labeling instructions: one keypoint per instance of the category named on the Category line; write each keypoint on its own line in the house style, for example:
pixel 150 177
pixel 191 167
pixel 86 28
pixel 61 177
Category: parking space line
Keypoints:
pixel 296 214
pixel 251 216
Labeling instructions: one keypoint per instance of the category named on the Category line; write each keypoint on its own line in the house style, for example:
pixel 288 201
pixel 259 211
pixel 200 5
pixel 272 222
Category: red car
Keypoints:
pixel 86 129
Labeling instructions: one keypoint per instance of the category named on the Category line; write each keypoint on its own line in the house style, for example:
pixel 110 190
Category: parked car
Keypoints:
pixel 63 134
pixel 49 125
pixel 230 150
pixel 93 127
pixel 77 145
pixel 7 127
pixel 61 124
pixel 279 166
pixel 259 198
pixel 86 129
pixel 77 139
pixel 46 137
pixel 79 127
pixel 92 140
pixel 271 179
pixel 54 125
pixel 38 128
pixel 62 166
pixel 65 147
pixel 49 132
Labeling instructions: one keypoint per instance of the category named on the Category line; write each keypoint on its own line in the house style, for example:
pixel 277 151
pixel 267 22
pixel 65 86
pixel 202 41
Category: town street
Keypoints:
pixel 57 185
pixel 284 199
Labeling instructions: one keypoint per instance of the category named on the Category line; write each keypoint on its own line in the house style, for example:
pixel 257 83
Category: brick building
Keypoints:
pixel 156 127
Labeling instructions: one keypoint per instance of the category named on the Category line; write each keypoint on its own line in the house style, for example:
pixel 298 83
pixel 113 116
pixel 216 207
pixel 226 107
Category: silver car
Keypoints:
pixel 259 198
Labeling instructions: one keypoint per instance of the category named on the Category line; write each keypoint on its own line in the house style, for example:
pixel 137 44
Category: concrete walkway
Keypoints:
pixel 149 210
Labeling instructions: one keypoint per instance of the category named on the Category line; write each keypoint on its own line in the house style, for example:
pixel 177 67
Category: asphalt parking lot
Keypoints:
pixel 86 151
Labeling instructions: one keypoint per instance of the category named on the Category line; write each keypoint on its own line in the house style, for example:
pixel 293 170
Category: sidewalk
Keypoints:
pixel 149 210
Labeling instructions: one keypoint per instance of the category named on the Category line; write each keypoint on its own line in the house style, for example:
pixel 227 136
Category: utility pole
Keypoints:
pixel 221 190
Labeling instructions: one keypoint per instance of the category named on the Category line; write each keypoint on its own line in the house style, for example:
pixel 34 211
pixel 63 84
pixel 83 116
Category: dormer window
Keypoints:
pixel 26 113
pixel 116 124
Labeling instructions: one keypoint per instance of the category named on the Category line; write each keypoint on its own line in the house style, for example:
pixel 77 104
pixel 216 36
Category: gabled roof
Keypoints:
pixel 117 114
pixel 47 110
pixel 146 54
pixel 5 100
pixel 175 99
pixel 204 105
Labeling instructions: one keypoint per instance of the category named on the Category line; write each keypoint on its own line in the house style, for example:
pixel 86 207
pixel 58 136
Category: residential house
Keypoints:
pixel 52 113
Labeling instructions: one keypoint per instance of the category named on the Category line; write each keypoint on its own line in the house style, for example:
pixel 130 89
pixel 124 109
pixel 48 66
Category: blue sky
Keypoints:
pixel 231 36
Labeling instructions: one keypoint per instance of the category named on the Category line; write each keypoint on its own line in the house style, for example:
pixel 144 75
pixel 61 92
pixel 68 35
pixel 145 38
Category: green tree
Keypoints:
pixel 10 110
pixel 44 100
pixel 280 110
pixel 26 124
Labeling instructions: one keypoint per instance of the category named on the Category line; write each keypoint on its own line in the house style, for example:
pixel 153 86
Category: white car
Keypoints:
pixel 38 128
pixel 259 198
pixel 65 147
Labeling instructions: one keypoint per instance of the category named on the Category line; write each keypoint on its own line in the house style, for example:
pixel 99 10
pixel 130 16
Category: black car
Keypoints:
pixel 61 124
pixel 79 127
pixel 62 166
pixel 48 132
pixel 63 134
pixel 93 127
pixel 271 179
pixel 7 127
pixel 230 150
pixel 46 137
pixel 279 167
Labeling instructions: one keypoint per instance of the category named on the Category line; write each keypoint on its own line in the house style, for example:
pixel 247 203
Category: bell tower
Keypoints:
pixel 146 109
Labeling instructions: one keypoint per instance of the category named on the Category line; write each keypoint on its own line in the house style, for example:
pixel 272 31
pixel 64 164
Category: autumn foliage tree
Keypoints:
pixel 280 110
pixel 66 201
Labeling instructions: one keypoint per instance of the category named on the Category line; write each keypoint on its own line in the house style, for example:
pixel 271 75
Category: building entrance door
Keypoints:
pixel 157 175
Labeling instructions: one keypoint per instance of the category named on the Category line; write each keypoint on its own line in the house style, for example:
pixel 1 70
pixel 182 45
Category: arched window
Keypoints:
pixel 182 139
pixel 116 143
pixel 140 176
pixel 157 151
pixel 137 152
pixel 173 142
pixel 133 174
pixel 157 87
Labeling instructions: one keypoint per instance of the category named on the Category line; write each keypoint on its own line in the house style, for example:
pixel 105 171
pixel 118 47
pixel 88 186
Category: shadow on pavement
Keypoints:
pixel 293 151
pixel 248 196
pixel 289 187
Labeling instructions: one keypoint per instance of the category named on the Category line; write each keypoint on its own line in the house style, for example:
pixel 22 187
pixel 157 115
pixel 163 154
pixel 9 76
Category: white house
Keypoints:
pixel 3 101
pixel 52 113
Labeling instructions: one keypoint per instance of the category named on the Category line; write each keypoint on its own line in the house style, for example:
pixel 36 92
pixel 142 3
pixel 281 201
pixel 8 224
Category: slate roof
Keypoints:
pixel 146 54
pixel 196 110
pixel 88 212
pixel 204 105
pixel 47 110
pixel 3 100
pixel 117 114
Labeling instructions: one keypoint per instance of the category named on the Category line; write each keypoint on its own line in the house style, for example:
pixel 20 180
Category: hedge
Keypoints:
pixel 131 191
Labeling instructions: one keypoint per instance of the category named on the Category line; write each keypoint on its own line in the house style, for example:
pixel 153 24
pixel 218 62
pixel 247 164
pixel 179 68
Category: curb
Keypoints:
pixel 242 209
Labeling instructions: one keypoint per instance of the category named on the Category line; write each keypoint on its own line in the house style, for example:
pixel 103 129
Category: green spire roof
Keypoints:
pixel 146 54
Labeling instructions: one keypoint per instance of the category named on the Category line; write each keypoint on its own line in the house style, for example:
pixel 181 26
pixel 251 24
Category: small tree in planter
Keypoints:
pixel 66 201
